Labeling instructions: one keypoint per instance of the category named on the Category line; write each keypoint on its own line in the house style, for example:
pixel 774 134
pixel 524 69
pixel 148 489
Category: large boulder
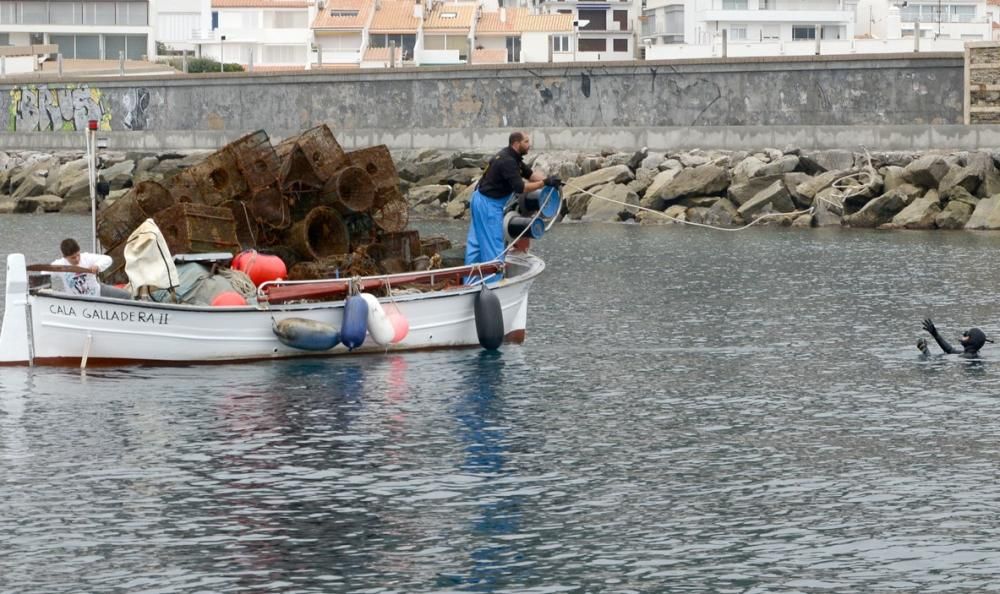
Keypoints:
pixel 706 180
pixel 920 214
pixel 64 175
pixel 829 160
pixel 643 179
pixel 775 195
pixel 785 164
pixel 693 159
pixel 986 214
pixel 119 175
pixel 956 215
pixel 746 169
pixel 599 210
pixel 809 188
pixel 723 214
pixel 893 176
pixel 423 195
pixel 927 171
pixel 741 193
pixel 42 203
pixel 426 164
pixel 879 210
pixel 653 161
pixel 33 184
pixel 659 181
pixel 828 207
pixel 618 174
pixel 792 181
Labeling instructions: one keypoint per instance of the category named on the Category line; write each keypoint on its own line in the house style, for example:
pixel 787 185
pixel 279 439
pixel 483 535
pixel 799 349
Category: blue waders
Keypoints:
pixel 485 240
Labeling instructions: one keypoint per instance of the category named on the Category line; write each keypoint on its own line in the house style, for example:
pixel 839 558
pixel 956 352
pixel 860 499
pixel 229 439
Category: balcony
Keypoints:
pixel 262 35
pixel 778 16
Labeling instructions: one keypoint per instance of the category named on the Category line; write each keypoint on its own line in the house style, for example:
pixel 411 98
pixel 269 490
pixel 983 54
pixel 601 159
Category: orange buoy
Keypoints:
pixel 262 268
pixel 228 299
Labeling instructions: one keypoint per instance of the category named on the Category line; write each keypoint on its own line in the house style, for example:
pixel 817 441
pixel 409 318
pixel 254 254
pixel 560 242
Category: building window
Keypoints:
pixel 597 20
pixel 803 33
pixel 560 43
pixel 513 49
pixel 132 13
pixel 8 13
pixel 770 33
pixel 343 13
pixel 734 4
pixel 4 39
pixel 592 45
pixel 215 20
pixel 34 13
pixel 620 17
pixel 620 45
pixel 65 13
pixel 405 41
pixel 738 32
pixel 648 23
pixel 291 20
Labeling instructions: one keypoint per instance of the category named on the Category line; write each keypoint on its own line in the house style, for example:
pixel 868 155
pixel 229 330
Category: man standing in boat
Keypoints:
pixel 505 176
pixel 82 283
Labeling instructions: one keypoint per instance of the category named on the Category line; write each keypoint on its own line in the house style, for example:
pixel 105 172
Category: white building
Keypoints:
pixel 82 29
pixel 604 30
pixel 516 35
pixel 269 34
pixel 179 22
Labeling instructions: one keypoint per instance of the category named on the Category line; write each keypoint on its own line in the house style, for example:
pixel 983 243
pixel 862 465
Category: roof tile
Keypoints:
pixel 351 14
pixel 394 16
pixel 450 17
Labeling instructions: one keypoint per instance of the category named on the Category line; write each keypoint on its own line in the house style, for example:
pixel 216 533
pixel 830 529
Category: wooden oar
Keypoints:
pixel 57 268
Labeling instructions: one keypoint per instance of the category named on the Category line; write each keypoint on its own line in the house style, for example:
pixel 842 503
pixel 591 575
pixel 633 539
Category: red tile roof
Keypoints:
pixel 394 16
pixel 344 14
pixel 450 17
pixel 260 4
pixel 520 20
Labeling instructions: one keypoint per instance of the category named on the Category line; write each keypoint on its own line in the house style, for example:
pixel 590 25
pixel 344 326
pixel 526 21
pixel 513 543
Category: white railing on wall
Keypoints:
pixel 800 48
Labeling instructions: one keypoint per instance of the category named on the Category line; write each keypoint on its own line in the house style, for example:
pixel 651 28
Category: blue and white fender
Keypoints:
pixel 307 335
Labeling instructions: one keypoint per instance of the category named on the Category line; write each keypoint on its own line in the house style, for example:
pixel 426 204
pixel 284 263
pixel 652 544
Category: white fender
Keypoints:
pixel 379 326
pixel 15 336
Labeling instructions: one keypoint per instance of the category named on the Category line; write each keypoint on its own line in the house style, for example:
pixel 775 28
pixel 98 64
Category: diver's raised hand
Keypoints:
pixel 929 327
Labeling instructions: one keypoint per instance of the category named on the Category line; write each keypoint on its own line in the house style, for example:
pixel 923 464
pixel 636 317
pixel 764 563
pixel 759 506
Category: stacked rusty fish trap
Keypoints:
pixel 324 211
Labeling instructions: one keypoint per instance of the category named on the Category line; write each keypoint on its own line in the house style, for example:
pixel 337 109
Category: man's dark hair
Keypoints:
pixel 514 137
pixel 69 246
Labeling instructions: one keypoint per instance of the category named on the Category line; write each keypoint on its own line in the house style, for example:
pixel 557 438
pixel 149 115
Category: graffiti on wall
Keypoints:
pixel 135 103
pixel 42 109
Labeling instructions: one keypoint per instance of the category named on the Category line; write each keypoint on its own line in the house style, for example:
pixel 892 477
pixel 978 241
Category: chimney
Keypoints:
pixel 503 14
pixel 418 10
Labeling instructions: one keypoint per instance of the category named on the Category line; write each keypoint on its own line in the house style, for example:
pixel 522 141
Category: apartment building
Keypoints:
pixel 603 30
pixel 179 23
pixel 81 29
pixel 396 23
pixel 447 33
pixel 516 35
pixel 951 19
pixel 267 34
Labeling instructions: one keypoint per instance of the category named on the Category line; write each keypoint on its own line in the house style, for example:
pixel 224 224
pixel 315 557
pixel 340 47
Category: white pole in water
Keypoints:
pixel 92 171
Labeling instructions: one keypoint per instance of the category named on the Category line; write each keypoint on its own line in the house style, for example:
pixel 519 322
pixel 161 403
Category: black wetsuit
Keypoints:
pixel 972 341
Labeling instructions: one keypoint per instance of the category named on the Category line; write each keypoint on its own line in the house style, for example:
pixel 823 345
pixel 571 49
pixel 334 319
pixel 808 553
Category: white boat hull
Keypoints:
pixel 45 327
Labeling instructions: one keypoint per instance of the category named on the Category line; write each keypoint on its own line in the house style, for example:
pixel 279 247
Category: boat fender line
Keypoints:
pixel 489 319
pixel 306 335
pixel 379 326
pixel 400 325
pixel 355 324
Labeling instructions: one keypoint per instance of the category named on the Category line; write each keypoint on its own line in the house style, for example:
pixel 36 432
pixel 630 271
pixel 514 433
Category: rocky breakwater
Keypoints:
pixel 946 190
pixel 895 190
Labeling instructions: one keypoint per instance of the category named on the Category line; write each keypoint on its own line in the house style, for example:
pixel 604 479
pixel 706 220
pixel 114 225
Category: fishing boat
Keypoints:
pixel 42 326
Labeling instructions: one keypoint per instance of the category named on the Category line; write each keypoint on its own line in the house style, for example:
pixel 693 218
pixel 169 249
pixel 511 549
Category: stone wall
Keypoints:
pixel 572 106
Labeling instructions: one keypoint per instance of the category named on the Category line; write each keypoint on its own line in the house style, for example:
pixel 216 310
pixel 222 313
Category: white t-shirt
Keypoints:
pixel 83 283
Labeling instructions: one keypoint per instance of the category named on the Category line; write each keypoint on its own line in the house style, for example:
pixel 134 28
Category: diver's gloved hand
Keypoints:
pixel 929 327
pixel 553 181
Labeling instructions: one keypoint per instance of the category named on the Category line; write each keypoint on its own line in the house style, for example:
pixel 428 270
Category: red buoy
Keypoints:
pixel 261 268
pixel 228 299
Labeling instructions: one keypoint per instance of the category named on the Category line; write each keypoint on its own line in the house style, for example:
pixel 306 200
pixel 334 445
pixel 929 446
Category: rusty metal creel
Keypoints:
pixel 296 172
pixel 269 207
pixel 256 159
pixel 184 188
pixel 378 163
pixel 218 178
pixel 321 233
pixel 319 155
pixel 197 228
pixel 392 215
pixel 351 187
pixel 116 222
pixel 247 229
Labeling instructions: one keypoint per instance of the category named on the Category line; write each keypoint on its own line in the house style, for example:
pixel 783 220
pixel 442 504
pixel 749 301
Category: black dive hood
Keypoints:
pixel 974 339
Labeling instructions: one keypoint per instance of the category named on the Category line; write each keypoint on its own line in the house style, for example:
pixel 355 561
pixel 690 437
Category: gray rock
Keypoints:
pixel 775 195
pixel 6 206
pixel 60 180
pixel 591 164
pixel 986 214
pixel 746 169
pixel 927 171
pixel 920 214
pixel 146 164
pixel 423 195
pixel 831 160
pixel 803 220
pixel 784 164
pixel 119 175
pixel 697 214
pixel 893 176
pixel 671 164
pixel 603 211
pixel 426 165
pixel 699 201
pixel 705 180
pixel 723 214
pixel 956 215
pixel 878 211
pixel 618 158
pixel 792 181
pixel 740 193
pixel 828 210
pixel 476 159
pixel 659 181
pixel 693 159
pixel 456 208
pixel 810 188
pixel 643 179
pixel 619 174
pixel 653 161
pixel 43 203
pixel 30 185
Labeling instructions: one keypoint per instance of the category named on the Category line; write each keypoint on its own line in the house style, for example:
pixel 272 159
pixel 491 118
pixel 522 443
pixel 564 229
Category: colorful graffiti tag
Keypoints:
pixel 69 108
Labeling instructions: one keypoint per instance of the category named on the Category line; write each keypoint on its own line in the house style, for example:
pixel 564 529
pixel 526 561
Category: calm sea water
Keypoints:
pixel 692 411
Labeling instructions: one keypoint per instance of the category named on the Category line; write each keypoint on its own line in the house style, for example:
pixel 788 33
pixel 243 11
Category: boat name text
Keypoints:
pixel 110 315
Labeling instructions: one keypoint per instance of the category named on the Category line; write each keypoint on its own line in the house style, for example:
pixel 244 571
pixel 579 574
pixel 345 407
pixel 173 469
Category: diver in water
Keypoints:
pixel 972 340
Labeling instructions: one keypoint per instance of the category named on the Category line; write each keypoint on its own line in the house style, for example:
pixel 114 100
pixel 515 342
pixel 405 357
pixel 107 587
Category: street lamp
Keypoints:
pixel 222 53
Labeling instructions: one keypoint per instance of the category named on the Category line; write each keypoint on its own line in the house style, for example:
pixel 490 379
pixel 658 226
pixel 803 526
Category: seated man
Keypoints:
pixel 972 340
pixel 82 283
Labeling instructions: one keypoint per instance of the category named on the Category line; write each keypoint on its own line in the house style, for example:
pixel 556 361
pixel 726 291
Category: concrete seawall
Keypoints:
pixel 890 102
